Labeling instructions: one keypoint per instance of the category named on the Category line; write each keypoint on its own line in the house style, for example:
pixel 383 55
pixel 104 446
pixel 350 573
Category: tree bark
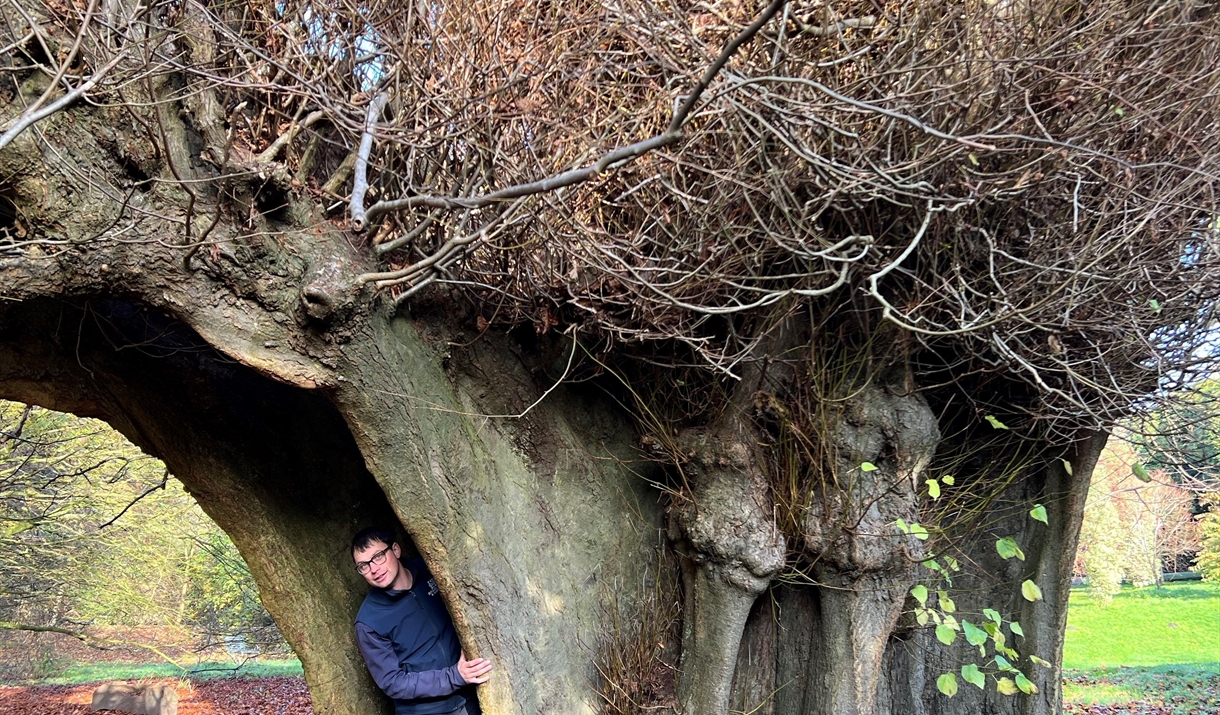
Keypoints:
pixel 296 411
pixel 732 551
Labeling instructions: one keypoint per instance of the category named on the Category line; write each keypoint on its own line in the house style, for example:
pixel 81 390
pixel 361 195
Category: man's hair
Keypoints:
pixel 368 535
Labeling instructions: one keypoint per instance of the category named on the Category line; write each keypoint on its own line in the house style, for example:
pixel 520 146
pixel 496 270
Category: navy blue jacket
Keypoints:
pixel 410 646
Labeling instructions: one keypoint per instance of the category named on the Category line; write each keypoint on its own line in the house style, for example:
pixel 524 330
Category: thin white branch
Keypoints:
pixel 835 28
pixel 360 180
pixel 28 118
pixel 276 146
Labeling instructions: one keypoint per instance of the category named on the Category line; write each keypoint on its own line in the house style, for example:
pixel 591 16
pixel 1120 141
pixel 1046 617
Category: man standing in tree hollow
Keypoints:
pixel 406 635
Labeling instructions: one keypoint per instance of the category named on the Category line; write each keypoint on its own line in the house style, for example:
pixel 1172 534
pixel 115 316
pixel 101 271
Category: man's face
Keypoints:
pixel 383 574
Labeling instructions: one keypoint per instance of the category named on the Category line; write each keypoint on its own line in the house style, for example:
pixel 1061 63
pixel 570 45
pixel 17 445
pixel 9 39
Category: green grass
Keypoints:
pixel 1146 647
pixel 81 673
pixel 1177 624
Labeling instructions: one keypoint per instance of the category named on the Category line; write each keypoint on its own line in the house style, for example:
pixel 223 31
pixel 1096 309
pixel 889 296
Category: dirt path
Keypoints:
pixel 222 696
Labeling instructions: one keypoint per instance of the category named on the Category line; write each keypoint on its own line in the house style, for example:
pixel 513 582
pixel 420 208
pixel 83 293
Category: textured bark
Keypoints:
pixel 796 650
pixel 296 410
pixel 733 550
pixel 296 406
pixel 917 658
pixel 862 570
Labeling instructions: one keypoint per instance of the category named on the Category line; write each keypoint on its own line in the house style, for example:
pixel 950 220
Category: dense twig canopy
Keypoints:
pixel 1020 186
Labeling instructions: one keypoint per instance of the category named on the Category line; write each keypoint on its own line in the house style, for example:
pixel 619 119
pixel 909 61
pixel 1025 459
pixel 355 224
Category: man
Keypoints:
pixel 405 633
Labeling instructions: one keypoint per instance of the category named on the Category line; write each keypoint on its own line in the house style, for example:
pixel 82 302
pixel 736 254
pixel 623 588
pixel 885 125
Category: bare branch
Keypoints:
pixel 836 28
pixel 610 160
pixel 360 183
pixel 28 117
pixel 286 138
pixel 133 502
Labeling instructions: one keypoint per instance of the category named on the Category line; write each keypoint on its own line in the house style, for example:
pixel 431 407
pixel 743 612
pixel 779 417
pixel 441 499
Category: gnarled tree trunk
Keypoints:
pixel 297 406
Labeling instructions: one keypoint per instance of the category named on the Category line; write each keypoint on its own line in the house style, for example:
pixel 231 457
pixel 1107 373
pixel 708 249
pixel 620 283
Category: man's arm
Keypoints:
pixel 393 680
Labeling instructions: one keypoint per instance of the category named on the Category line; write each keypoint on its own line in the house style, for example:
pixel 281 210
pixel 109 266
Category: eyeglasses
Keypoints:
pixel 362 567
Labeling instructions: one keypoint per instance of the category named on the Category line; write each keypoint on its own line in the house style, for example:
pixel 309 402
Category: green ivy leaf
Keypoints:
pixel 945 634
pixel 1007 548
pixel 971 674
pixel 1002 663
pixel 920 592
pixel 999 638
pixel 992 615
pixel 868 467
pixel 1038 513
pixel 921 616
pixel 991 420
pixel 1156 305
pixel 974 635
pixel 1067 466
pixel 932 564
pixel 902 526
pixel 991 628
pixel 1140 472
pixel 934 492
pixel 947 479
pixel 1005 686
pixel 1016 628
pixel 952 563
pixel 1025 685
pixel 1030 591
pixel 946 604
pixel 919 532
pixel 1039 661
pixel 947 684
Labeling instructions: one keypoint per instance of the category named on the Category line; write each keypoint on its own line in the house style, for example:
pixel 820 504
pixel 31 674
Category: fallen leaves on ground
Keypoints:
pixel 1164 690
pixel 1124 709
pixel 221 696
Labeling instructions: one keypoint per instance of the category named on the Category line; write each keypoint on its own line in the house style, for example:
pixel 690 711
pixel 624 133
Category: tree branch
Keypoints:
pixel 360 182
pixel 835 28
pixel 272 151
pixel 85 638
pixel 610 160
pixel 29 117
pixel 150 490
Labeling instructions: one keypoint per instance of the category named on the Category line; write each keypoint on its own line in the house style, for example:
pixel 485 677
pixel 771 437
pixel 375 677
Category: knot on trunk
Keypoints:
pixel 726 518
pixel 852 529
pixel 329 294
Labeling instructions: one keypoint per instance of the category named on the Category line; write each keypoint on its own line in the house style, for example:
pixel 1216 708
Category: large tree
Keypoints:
pixel 833 302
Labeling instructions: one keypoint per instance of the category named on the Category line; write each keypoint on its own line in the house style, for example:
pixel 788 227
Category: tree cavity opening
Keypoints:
pixel 274 465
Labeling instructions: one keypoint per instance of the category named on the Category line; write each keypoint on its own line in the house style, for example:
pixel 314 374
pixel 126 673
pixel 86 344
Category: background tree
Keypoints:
pixel 336 263
pixel 1132 527
pixel 100 539
pixel 1209 530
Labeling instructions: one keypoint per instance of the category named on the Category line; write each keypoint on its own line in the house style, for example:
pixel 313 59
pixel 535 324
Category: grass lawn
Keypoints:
pixel 1147 648
pixel 1179 623
pixel 80 673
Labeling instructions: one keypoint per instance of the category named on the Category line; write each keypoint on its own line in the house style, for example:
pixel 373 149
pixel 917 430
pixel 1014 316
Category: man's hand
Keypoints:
pixel 474 672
